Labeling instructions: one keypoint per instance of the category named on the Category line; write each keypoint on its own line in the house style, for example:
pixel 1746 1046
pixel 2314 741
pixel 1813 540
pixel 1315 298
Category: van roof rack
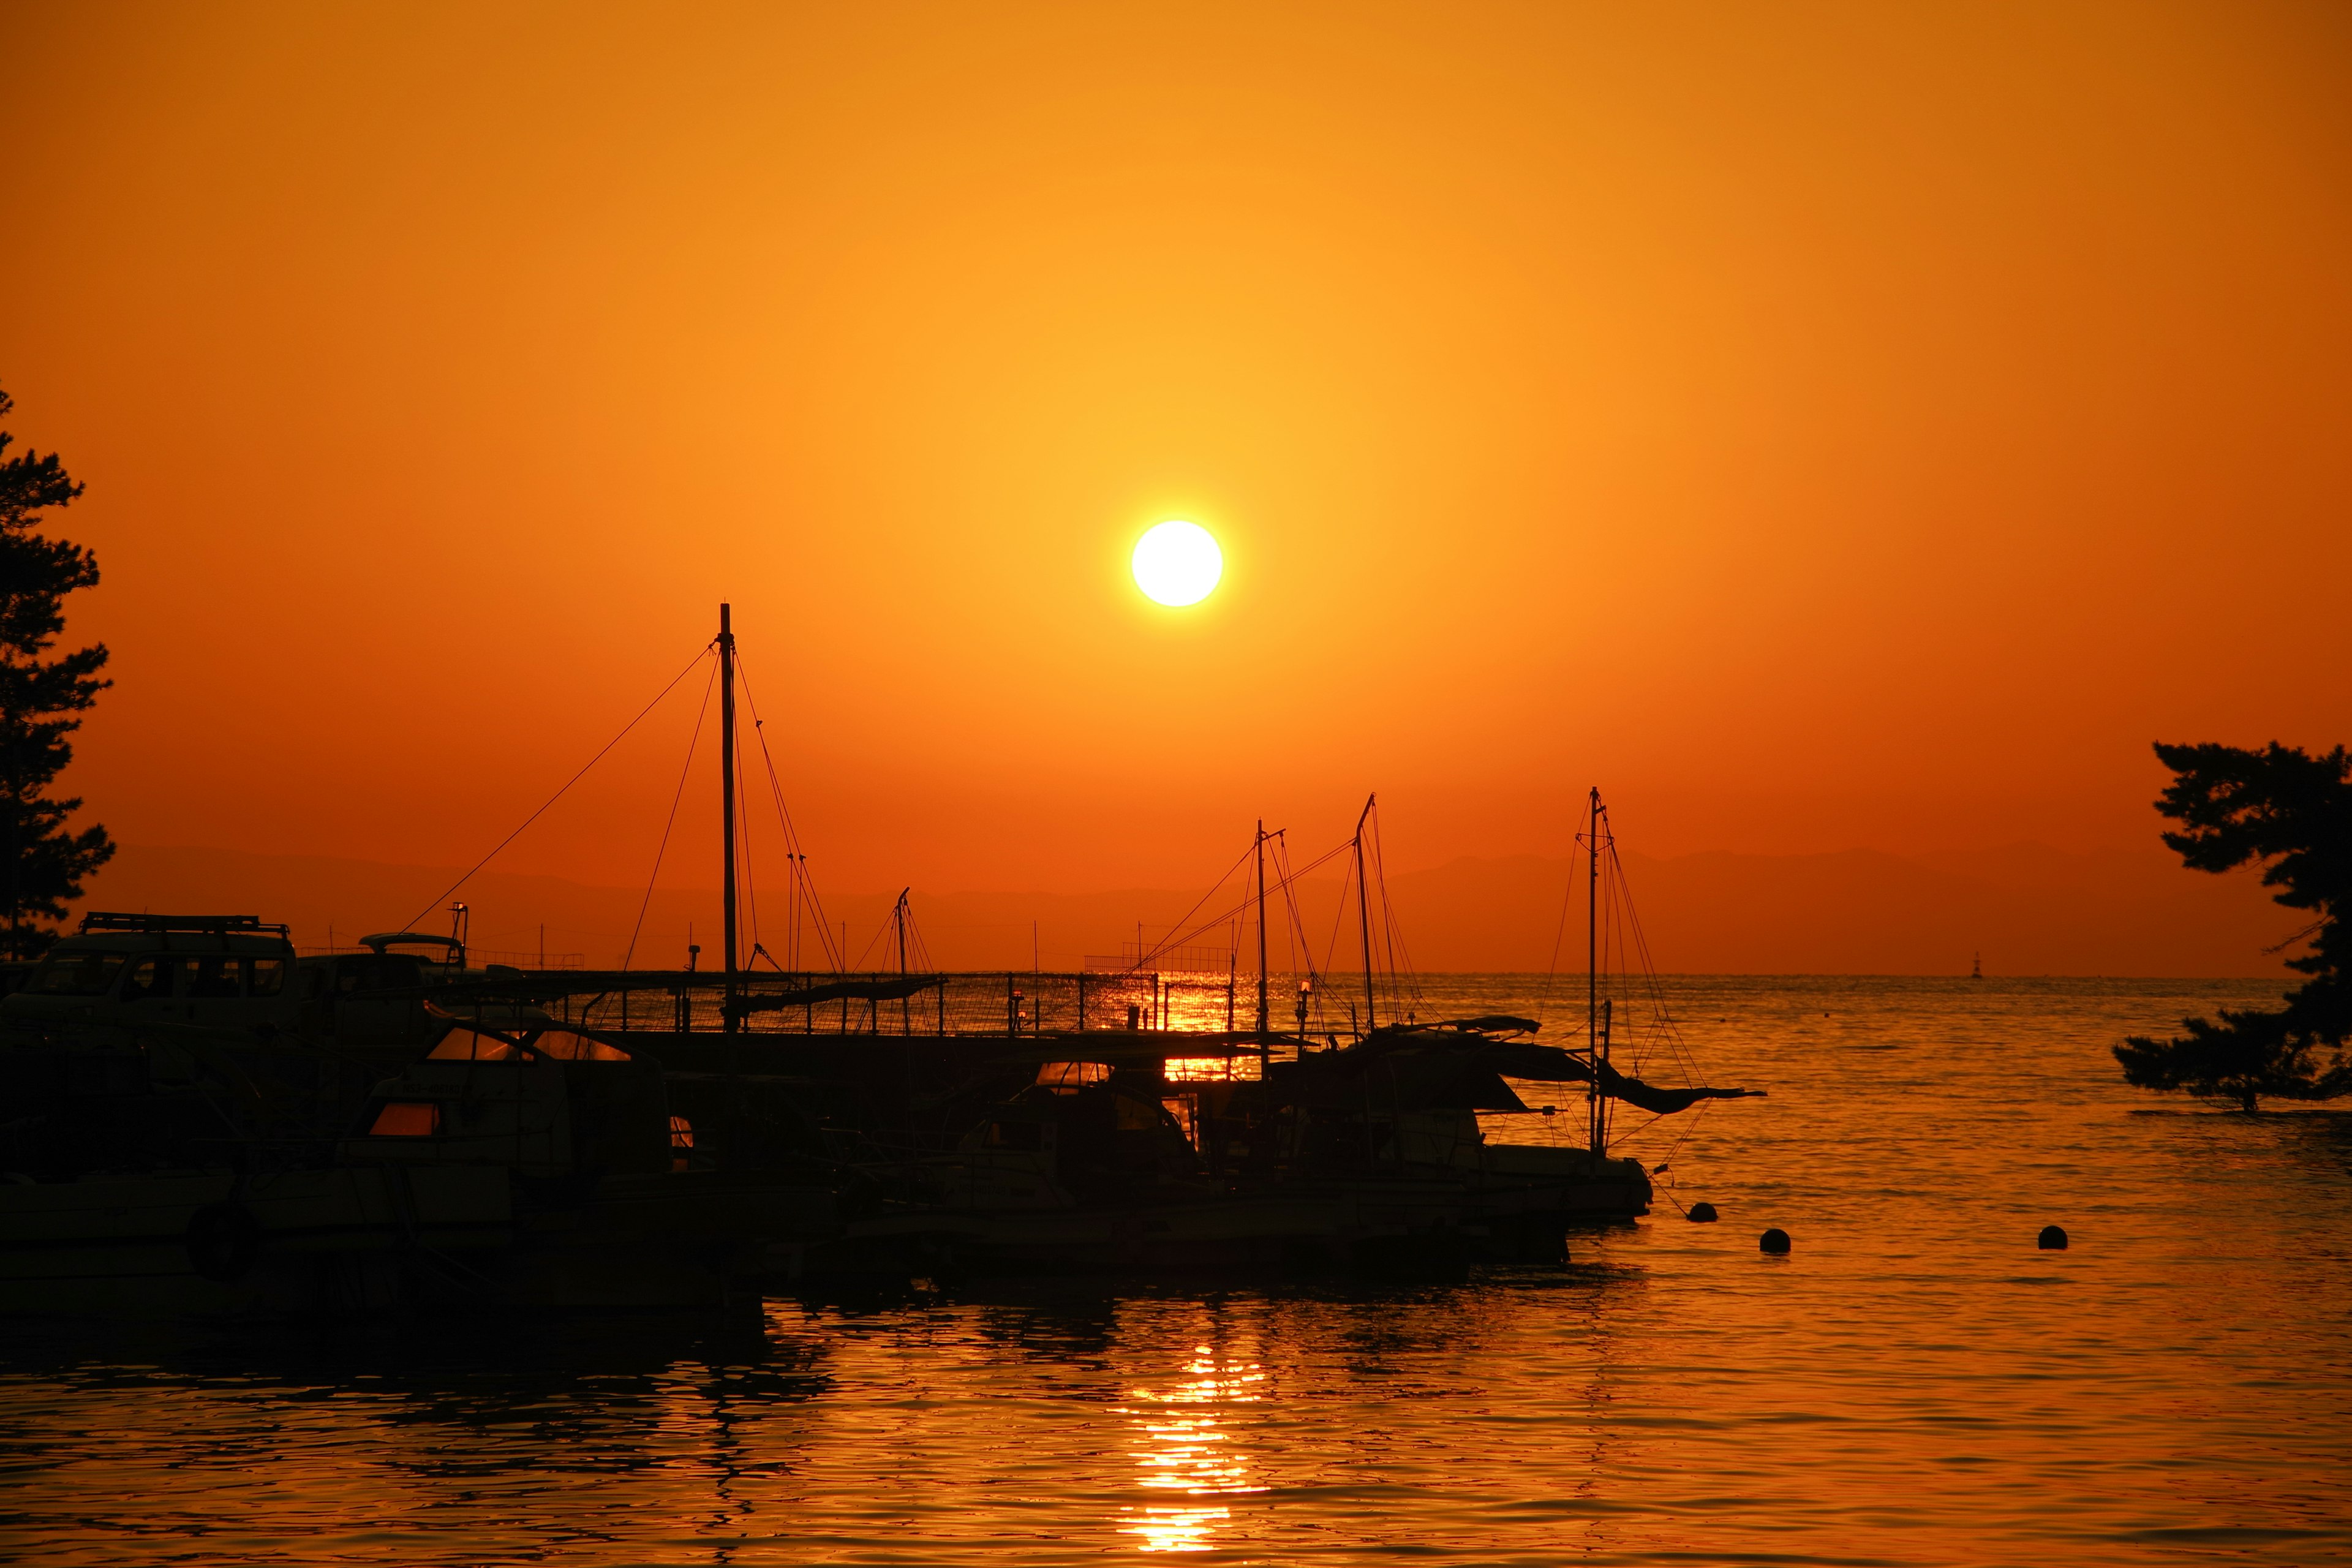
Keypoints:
pixel 217 925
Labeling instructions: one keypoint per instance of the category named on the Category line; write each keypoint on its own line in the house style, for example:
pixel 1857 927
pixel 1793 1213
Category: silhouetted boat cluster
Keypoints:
pixel 194 1118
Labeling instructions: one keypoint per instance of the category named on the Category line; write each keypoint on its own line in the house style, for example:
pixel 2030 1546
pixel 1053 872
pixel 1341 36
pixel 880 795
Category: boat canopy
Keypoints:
pixel 1418 1059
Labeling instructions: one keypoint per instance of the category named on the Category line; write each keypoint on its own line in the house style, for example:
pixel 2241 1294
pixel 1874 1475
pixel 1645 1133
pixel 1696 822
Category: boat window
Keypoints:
pixel 75 975
pixel 1072 1075
pixel 149 977
pixel 1137 1115
pixel 214 977
pixel 406 1118
pixel 463 1044
pixel 1186 1109
pixel 565 1046
pixel 268 976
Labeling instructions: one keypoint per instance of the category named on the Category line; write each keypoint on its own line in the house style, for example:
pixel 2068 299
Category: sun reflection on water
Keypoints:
pixel 1185 1449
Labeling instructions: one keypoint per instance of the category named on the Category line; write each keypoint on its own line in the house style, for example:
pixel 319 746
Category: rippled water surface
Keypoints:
pixel 1914 1383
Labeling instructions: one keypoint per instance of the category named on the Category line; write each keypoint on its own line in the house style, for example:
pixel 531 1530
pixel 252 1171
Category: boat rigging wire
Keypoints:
pixel 750 884
pixel 1281 882
pixel 1404 985
pixel 804 886
pixel 435 903
pixel 1662 1020
pixel 1339 911
pixel 692 745
pixel 1294 934
pixel 1142 957
pixel 1559 935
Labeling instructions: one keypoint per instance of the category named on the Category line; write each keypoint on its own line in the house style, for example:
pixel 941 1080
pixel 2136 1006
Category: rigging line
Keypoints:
pixel 1559 932
pixel 1281 881
pixel 1688 1128
pixel 1619 1140
pixel 1371 876
pixel 700 714
pixel 1173 940
pixel 806 886
pixel 1666 1025
pixel 1339 917
pixel 1142 958
pixel 574 779
pixel 751 883
pixel 1302 952
pixel 920 952
pixel 783 812
pixel 1403 979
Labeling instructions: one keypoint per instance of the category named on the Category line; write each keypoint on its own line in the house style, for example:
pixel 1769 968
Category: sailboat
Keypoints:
pixel 1089 1119
pixel 1418 1099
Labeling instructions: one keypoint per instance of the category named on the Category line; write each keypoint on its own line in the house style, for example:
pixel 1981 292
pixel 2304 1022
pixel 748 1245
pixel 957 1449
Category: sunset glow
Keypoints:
pixel 1542 782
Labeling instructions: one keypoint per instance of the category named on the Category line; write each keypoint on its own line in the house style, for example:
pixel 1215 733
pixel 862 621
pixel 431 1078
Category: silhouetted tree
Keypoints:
pixel 45 861
pixel 2293 811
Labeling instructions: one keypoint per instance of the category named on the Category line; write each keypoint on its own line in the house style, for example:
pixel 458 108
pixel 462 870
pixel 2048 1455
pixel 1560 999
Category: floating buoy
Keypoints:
pixel 1775 1240
pixel 1701 1214
pixel 2053 1238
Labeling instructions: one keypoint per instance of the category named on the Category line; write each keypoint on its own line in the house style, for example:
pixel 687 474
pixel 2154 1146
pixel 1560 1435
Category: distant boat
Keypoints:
pixel 1976 970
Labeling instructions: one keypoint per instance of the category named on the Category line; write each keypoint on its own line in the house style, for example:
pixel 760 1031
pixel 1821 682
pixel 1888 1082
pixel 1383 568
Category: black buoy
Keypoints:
pixel 2053 1238
pixel 1774 1240
pixel 1701 1214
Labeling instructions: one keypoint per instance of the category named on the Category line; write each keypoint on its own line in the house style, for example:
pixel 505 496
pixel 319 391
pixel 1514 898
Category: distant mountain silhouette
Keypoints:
pixel 2027 908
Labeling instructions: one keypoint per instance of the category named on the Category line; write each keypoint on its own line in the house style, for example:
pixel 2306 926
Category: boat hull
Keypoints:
pixel 1400 1229
pixel 378 1237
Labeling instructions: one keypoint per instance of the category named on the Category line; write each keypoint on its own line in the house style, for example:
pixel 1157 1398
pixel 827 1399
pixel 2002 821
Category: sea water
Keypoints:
pixel 1914 1383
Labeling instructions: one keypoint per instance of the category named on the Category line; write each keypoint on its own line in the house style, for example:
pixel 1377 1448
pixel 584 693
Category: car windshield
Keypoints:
pixel 75 975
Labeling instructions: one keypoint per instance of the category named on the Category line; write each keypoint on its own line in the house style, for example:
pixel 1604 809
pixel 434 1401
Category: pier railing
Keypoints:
pixel 988 1002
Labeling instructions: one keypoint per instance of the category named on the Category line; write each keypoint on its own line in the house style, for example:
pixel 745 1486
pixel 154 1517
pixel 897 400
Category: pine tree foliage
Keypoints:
pixel 2292 812
pixel 39 697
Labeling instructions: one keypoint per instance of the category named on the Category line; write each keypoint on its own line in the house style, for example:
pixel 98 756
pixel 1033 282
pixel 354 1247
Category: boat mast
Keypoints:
pixel 726 797
pixel 1364 909
pixel 1592 971
pixel 1261 931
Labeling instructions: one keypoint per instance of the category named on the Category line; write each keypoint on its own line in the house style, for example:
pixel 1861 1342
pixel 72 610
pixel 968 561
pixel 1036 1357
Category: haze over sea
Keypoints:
pixel 1914 1383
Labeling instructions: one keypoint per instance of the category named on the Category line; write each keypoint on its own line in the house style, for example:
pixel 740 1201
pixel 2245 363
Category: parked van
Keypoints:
pixel 128 969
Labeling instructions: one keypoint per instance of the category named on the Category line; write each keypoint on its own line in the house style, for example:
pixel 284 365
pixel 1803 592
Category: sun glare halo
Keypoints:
pixel 1177 563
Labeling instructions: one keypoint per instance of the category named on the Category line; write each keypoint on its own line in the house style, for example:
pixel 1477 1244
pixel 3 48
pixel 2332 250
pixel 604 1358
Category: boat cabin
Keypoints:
pixel 545 1100
pixel 227 970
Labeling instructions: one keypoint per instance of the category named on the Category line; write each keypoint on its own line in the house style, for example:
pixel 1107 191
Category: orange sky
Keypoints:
pixel 1820 426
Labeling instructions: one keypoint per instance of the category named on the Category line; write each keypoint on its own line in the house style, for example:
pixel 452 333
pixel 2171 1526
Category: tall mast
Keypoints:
pixel 1593 970
pixel 727 795
pixel 1364 909
pixel 1261 927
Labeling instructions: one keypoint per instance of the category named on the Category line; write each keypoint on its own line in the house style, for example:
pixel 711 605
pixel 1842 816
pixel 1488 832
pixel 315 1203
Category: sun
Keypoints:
pixel 1178 563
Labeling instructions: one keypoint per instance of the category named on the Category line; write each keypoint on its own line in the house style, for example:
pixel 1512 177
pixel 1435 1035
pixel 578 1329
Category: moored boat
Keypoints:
pixel 161 1166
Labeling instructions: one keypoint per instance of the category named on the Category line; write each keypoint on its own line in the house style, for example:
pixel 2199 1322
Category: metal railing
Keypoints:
pixel 995 1001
